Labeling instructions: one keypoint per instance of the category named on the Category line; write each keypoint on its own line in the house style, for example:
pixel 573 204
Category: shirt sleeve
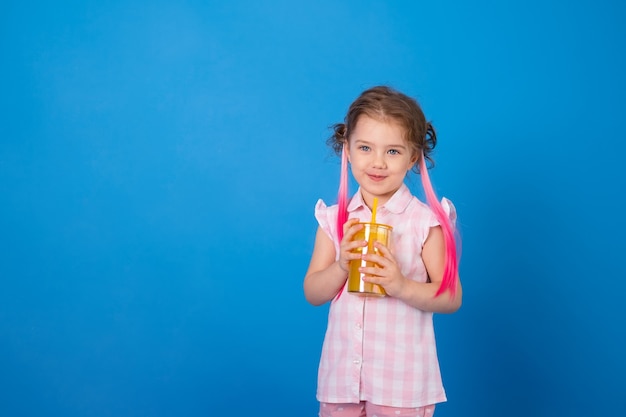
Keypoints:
pixel 432 220
pixel 450 210
pixel 327 218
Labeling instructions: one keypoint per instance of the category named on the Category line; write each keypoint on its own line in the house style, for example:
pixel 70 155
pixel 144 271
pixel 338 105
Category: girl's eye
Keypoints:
pixel 364 148
pixel 394 152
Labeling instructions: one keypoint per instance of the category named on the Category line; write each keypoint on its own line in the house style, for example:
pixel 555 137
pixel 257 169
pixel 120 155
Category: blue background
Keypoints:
pixel 159 164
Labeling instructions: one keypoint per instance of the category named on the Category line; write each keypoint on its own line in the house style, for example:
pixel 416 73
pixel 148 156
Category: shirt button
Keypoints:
pixel 356 361
pixel 358 325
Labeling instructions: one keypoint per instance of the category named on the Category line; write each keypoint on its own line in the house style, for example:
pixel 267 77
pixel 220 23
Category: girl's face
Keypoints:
pixel 380 158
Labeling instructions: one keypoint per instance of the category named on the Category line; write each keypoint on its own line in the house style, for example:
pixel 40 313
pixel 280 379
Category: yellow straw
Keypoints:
pixel 370 243
pixel 374 206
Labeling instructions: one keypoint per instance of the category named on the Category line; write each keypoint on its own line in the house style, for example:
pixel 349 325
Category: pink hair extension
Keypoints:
pixel 342 194
pixel 449 281
pixel 342 199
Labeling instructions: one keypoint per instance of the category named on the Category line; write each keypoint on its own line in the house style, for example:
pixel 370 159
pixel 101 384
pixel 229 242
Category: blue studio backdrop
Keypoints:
pixel 159 164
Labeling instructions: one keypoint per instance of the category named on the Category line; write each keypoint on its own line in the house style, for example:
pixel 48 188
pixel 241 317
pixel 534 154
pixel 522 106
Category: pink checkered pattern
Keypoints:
pixel 382 350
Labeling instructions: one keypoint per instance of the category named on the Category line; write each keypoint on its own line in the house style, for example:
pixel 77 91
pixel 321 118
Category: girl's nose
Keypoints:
pixel 379 160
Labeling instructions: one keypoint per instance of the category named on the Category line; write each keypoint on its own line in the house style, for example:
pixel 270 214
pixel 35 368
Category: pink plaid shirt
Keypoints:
pixel 382 350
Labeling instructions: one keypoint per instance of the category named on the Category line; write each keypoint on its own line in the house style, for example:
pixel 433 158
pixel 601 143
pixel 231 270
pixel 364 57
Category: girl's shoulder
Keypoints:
pixel 420 213
pixel 417 209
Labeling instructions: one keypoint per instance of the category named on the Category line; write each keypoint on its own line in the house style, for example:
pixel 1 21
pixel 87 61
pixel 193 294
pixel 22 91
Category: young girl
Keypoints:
pixel 379 356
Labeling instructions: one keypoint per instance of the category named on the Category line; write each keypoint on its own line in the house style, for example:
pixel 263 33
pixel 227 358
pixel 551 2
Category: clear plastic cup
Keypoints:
pixel 372 232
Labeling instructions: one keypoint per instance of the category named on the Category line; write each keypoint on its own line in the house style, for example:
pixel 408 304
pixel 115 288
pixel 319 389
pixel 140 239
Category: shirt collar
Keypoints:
pixel 398 202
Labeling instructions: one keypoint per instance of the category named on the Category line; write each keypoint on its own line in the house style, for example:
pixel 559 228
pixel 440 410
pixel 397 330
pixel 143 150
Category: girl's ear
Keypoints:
pixel 413 161
pixel 346 150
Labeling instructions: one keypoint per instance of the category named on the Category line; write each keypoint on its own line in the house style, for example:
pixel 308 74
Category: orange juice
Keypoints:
pixel 372 232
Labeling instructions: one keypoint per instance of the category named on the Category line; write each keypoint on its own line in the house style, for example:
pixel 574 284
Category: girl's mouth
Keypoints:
pixel 376 178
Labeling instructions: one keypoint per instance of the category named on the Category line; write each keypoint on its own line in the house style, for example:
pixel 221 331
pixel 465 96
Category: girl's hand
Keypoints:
pixel 386 273
pixel 347 245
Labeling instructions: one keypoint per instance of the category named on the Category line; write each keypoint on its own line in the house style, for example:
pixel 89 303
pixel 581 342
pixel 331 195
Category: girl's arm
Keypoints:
pixel 417 294
pixel 422 295
pixel 325 275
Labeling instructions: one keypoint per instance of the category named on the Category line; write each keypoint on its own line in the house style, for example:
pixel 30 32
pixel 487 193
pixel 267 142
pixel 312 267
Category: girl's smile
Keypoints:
pixel 376 177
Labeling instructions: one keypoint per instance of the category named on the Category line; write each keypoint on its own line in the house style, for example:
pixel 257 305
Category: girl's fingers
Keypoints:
pixel 381 261
pixel 383 258
pixel 371 270
pixel 348 227
pixel 356 244
pixel 353 255
pixel 384 250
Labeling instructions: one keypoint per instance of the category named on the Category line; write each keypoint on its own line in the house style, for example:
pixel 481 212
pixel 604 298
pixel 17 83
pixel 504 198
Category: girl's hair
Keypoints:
pixel 388 105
